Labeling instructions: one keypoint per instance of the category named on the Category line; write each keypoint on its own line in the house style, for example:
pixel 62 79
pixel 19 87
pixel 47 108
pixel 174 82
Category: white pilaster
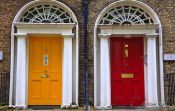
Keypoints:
pixel 105 86
pixel 67 72
pixel 152 99
pixel 21 73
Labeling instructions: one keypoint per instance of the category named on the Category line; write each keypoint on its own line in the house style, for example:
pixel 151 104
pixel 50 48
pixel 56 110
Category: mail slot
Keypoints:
pixel 127 75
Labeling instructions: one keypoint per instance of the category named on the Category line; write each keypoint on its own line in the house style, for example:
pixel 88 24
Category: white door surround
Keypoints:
pixel 19 55
pixel 152 33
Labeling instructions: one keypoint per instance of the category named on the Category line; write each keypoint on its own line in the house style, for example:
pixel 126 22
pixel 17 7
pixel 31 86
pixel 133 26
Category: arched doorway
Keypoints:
pixel 44 47
pixel 128 64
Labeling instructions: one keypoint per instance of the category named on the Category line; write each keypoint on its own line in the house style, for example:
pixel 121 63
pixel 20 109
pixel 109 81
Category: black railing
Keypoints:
pixel 4 88
pixel 170 88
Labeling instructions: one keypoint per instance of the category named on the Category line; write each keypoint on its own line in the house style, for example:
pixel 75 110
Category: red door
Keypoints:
pixel 127 71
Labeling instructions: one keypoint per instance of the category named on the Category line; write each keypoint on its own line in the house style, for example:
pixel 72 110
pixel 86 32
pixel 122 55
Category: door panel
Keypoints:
pixel 36 90
pixel 127 71
pixel 45 71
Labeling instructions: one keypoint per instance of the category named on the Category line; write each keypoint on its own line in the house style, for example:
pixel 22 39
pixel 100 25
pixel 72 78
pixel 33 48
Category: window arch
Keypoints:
pixel 46 13
pixel 126 14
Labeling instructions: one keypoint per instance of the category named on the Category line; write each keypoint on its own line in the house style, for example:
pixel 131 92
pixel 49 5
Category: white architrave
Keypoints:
pixel 152 93
pixel 21 76
pixel 43 28
pixel 107 31
pixel 129 30
pixel 67 72
pixel 23 30
pixel 105 90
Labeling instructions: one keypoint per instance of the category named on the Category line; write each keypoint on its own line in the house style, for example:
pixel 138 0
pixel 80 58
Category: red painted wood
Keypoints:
pixel 127 91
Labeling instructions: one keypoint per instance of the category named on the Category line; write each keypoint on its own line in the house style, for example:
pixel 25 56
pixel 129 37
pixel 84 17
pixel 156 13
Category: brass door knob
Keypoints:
pixel 45 76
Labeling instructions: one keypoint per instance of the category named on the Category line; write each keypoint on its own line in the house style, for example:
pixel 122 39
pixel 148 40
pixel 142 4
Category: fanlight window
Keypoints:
pixel 46 13
pixel 126 15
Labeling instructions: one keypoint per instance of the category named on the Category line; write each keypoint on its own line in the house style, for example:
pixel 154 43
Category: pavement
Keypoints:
pixel 95 110
pixel 92 110
pixel 168 108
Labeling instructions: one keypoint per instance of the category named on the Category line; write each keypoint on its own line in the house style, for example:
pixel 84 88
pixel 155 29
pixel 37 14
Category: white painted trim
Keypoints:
pixel 21 73
pixel 44 25
pixel 66 29
pixel 26 35
pixel 161 66
pixel 134 26
pixel 156 20
pixel 104 35
pixel 11 92
pixel 105 82
pixel 152 98
pixel 153 35
pixel 128 29
pixel 67 73
pixel 103 108
pixel 16 21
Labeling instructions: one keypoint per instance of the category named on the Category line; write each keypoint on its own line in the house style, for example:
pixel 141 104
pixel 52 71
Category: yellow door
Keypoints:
pixel 45 71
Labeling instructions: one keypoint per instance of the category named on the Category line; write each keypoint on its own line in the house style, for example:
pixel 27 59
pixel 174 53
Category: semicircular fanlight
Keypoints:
pixel 126 15
pixel 46 13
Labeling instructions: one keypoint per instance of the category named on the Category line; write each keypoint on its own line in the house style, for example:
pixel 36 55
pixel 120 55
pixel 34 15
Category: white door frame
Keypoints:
pixel 23 32
pixel 150 35
pixel 150 32
pixel 19 33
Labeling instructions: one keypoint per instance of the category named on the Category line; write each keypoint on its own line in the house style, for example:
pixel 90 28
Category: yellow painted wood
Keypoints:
pixel 45 80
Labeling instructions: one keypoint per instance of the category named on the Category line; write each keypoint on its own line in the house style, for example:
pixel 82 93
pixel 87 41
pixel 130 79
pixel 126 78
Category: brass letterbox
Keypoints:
pixel 127 75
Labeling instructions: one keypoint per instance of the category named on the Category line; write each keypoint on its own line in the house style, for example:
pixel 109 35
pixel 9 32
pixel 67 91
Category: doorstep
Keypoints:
pixel 82 109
